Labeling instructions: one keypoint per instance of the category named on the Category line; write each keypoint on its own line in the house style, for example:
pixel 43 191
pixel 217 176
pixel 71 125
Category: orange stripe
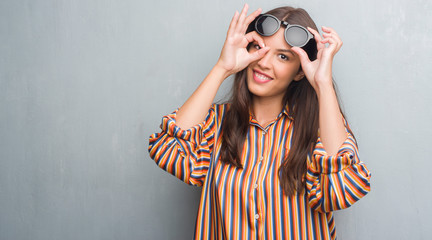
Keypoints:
pixel 238 185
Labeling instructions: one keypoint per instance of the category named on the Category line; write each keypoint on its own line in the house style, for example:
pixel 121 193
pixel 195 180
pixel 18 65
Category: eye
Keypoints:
pixel 283 57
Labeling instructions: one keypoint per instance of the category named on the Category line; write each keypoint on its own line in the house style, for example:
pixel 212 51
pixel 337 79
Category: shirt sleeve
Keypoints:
pixel 338 181
pixel 184 153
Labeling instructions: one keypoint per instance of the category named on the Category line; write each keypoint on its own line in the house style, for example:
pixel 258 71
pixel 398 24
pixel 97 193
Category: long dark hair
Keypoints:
pixel 302 102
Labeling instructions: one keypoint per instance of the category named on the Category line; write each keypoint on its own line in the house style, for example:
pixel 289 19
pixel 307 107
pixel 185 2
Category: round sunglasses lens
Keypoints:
pixel 266 25
pixel 296 36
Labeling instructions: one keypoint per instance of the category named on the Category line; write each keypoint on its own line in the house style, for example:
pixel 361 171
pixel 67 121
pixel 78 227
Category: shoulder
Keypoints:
pixel 220 108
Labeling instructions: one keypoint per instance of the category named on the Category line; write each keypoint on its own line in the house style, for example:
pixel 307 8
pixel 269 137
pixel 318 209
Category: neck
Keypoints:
pixel 266 110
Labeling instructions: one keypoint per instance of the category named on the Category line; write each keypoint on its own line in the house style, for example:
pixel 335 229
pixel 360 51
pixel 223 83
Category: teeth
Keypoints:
pixel 262 77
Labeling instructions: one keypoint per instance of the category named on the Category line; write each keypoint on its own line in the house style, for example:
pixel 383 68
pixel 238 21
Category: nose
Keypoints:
pixel 265 62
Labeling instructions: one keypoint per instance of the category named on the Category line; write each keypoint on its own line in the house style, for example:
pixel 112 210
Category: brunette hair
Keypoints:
pixel 302 102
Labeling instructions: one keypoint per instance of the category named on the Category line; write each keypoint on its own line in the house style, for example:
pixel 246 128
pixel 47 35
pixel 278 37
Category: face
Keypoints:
pixel 270 76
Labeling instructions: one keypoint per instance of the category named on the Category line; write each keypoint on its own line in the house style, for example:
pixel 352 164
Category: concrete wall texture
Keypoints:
pixel 84 83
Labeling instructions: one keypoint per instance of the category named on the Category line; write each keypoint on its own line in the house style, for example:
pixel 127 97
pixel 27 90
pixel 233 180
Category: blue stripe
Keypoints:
pixel 201 146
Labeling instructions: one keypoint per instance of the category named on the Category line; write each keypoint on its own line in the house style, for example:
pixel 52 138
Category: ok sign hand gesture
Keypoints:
pixel 234 56
pixel 319 71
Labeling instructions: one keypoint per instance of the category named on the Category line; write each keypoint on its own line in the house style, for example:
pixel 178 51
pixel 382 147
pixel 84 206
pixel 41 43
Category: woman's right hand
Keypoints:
pixel 235 56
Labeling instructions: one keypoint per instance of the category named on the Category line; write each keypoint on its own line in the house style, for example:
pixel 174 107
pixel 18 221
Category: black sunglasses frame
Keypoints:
pixel 281 23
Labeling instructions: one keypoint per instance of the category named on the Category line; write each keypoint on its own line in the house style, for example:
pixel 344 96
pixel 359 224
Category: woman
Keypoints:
pixel 277 159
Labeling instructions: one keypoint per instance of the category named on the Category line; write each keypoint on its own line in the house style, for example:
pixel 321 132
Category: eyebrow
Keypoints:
pixel 285 50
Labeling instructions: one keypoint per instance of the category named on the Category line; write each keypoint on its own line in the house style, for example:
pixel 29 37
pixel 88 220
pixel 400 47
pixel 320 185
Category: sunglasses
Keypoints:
pixel 295 35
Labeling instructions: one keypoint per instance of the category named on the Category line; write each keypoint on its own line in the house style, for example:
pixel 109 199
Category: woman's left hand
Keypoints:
pixel 319 71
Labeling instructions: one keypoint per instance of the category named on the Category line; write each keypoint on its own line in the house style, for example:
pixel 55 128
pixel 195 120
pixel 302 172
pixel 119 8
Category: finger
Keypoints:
pixel 258 54
pixel 317 37
pixel 333 35
pixel 329 40
pixel 233 23
pixel 332 47
pixel 331 31
pixel 304 59
pixel 250 18
pixel 242 17
pixel 327 29
pixel 327 35
pixel 315 33
pixel 254 36
pixel 337 41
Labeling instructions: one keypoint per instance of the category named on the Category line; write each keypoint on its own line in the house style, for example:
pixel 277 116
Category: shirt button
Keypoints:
pixel 255 185
pixel 256 216
pixel 261 158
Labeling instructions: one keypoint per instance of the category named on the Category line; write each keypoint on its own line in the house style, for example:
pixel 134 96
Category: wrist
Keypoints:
pixel 221 70
pixel 323 88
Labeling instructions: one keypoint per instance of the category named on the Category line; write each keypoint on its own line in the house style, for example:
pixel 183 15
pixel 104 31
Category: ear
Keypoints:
pixel 299 76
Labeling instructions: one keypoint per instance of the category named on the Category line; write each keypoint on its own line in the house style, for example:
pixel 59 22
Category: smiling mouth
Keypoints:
pixel 260 77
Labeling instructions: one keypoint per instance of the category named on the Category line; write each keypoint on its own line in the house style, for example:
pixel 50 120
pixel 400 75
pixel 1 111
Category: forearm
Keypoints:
pixel 196 107
pixel 234 57
pixel 331 124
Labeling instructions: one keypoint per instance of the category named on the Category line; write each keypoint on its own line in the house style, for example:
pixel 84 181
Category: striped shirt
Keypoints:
pixel 248 203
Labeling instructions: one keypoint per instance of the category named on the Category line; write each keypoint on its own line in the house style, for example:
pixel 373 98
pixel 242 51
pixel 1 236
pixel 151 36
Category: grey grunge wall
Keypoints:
pixel 84 83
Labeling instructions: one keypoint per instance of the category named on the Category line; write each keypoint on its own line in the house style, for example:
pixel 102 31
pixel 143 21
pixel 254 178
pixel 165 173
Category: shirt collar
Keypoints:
pixel 285 111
